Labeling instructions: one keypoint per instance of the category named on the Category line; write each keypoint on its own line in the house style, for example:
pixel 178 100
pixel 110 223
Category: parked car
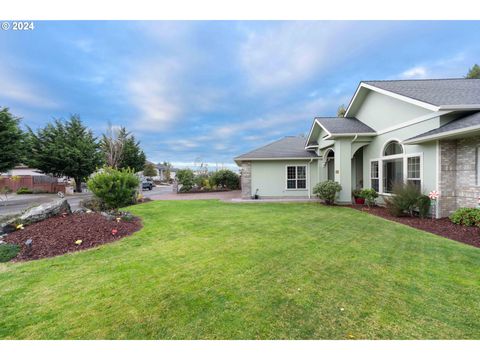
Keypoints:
pixel 147 184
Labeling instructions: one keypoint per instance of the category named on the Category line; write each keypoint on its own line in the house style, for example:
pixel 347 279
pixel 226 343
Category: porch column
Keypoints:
pixel 343 169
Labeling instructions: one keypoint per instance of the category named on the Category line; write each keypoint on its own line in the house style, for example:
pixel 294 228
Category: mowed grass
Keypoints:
pixel 212 270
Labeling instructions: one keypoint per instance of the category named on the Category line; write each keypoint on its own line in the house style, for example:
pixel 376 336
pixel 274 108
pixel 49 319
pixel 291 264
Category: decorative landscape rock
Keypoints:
pixel 7 228
pixel 108 216
pixel 45 211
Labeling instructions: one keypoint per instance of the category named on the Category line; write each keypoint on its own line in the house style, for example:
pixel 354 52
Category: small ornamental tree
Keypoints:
pixel 116 188
pixel 226 179
pixel 327 191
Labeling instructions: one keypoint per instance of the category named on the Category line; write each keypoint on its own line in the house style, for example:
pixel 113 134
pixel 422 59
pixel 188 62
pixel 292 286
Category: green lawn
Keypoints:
pixel 212 270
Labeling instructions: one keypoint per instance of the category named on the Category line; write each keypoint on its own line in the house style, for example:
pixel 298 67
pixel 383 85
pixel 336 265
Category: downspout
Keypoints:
pixel 309 179
pixel 355 138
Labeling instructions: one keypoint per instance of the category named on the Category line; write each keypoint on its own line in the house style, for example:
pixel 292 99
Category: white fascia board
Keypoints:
pixel 442 135
pixel 280 159
pixel 460 107
pixel 311 130
pixel 310 133
pixel 391 94
pixel 333 136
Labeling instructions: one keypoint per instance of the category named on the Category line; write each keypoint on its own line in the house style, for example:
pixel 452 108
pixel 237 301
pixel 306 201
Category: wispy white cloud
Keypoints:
pixel 151 89
pixel 26 93
pixel 454 66
pixel 84 45
pixel 417 72
pixel 292 52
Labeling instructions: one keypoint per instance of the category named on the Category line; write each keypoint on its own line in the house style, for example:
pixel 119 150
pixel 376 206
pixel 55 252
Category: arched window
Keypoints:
pixel 393 148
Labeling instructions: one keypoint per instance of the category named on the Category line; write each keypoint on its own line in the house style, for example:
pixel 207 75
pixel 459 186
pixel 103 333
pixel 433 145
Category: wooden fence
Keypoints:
pixel 39 183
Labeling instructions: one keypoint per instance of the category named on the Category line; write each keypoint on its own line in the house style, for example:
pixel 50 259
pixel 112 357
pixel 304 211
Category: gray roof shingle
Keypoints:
pixel 458 124
pixel 290 147
pixel 344 125
pixel 437 92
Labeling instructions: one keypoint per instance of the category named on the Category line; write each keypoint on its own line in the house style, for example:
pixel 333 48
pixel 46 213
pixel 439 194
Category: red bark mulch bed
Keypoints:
pixel 57 235
pixel 444 227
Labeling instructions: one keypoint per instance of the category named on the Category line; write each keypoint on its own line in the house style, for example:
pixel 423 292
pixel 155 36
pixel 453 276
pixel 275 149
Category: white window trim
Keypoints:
pixel 405 169
pixel 307 176
pixel 413 179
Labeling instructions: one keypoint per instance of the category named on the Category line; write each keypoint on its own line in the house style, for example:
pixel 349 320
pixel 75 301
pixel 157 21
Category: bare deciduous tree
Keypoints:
pixel 112 145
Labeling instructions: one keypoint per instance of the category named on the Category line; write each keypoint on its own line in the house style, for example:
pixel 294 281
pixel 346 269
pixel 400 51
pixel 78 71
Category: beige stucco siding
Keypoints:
pixel 270 178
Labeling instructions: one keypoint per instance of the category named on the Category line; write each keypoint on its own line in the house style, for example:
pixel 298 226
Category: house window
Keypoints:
pixel 374 175
pixel 393 148
pixel 296 177
pixel 413 172
pixel 392 174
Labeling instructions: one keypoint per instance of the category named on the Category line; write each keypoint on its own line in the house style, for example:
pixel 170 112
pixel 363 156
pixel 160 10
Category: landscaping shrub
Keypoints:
pixel 423 204
pixel 369 195
pixel 186 178
pixel 406 199
pixel 327 191
pixel 24 190
pixel 356 193
pixel 466 217
pixel 8 251
pixel 116 188
pixel 225 179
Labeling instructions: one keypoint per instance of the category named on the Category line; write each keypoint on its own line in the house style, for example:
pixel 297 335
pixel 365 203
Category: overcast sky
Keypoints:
pixel 210 91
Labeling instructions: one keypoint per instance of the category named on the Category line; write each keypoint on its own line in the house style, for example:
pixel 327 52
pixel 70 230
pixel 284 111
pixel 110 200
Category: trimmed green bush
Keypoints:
pixel 327 191
pixel 24 190
pixel 186 178
pixel 369 195
pixel 116 188
pixel 225 179
pixel 466 217
pixel 8 252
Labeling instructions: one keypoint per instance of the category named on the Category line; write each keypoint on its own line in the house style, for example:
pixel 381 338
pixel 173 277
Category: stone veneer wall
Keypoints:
pixel 246 179
pixel 458 174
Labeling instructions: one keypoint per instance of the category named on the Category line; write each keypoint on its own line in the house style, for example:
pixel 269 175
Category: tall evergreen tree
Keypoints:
pixel 474 72
pixel 10 140
pixel 65 149
pixel 132 156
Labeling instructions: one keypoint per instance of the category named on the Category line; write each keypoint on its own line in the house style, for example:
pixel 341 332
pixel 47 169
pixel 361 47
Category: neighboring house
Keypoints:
pixel 161 168
pixel 425 132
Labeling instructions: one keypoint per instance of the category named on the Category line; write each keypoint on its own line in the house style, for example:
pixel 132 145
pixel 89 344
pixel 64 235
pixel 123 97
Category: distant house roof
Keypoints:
pixel 344 125
pixel 438 92
pixel 290 147
pixel 458 126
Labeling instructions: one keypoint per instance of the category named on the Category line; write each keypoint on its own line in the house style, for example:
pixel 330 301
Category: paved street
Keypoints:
pixel 17 203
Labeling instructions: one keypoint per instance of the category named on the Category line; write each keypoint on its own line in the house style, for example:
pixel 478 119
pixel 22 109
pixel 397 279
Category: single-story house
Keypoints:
pixel 162 170
pixel 425 132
